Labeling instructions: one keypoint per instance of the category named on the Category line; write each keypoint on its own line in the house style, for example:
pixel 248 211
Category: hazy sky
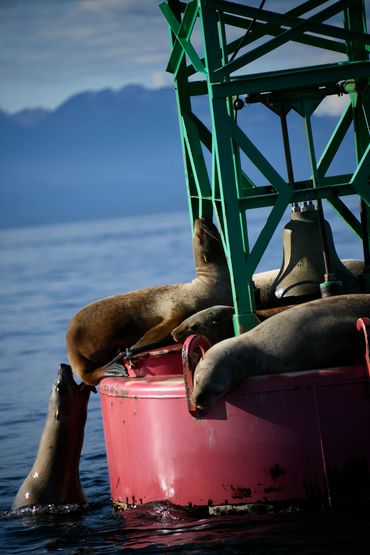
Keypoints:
pixel 52 49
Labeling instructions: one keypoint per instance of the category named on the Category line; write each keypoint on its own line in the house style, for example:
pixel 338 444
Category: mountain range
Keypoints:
pixel 116 153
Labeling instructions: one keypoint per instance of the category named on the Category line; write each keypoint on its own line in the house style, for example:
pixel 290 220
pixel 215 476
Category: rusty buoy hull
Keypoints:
pixel 278 438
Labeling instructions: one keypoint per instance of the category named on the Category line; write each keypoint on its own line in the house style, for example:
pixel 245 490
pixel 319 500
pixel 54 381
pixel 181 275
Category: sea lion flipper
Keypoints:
pixel 113 370
pixel 155 334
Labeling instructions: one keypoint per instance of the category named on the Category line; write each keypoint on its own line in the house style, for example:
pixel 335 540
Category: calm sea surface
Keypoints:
pixel 47 274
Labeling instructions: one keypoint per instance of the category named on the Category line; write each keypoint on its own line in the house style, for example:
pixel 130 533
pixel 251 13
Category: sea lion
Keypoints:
pixel 140 318
pixel 54 477
pixel 216 323
pixel 318 334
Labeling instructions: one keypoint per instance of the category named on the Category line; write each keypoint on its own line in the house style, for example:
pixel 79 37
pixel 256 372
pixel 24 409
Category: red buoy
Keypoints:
pixel 276 438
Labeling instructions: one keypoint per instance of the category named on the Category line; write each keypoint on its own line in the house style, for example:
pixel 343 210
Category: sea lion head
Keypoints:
pixel 215 323
pixel 67 397
pixel 217 372
pixel 207 244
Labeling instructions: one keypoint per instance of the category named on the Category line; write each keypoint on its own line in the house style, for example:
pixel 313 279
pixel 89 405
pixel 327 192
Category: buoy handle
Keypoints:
pixel 363 324
pixel 193 350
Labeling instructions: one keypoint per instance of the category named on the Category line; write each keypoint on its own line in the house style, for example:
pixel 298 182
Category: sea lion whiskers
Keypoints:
pixel 207 230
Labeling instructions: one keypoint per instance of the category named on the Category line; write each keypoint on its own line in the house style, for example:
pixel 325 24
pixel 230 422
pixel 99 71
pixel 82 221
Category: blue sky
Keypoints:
pixel 52 49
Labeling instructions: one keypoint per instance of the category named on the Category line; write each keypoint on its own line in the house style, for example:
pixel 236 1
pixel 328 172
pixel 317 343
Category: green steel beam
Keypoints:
pixel 260 197
pixel 347 215
pixel 354 19
pixel 183 41
pixel 360 177
pixel 196 157
pixel 335 141
pixel 183 102
pixel 184 31
pixel 297 78
pixel 225 189
pixel 229 215
pixel 267 232
pixel 298 28
pixel 288 21
pixel 261 29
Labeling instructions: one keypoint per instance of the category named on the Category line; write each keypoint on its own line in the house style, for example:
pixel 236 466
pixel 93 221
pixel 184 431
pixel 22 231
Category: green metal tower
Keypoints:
pixel 214 45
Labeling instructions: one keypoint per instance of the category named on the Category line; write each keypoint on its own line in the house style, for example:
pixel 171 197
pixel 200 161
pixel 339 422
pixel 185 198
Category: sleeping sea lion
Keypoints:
pixel 216 323
pixel 54 478
pixel 318 334
pixel 146 316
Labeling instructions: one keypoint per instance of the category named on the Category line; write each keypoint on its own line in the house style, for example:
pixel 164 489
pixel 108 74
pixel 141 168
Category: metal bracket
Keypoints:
pixel 363 324
pixel 195 347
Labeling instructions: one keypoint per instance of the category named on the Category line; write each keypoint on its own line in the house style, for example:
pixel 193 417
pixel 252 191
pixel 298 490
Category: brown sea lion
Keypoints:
pixel 146 316
pixel 216 323
pixel 318 334
pixel 54 478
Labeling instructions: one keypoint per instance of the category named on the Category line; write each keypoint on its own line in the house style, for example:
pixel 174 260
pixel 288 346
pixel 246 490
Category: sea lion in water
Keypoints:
pixel 146 316
pixel 318 334
pixel 54 477
pixel 216 323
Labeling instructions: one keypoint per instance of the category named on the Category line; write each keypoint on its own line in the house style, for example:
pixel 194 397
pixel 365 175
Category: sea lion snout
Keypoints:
pixel 215 323
pixel 203 399
pixel 65 380
pixel 67 396
pixel 212 377
pixel 183 331
pixel 210 241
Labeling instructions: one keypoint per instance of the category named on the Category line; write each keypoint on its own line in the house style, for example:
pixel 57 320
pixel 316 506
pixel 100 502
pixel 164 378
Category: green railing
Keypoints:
pixel 217 152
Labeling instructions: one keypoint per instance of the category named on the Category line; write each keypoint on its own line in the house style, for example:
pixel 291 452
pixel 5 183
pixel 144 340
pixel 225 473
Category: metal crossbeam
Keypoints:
pixel 220 186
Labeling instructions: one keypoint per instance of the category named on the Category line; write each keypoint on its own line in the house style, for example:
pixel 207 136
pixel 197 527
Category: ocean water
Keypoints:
pixel 47 273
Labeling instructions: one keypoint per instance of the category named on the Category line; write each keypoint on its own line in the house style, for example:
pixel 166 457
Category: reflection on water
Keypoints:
pixel 162 528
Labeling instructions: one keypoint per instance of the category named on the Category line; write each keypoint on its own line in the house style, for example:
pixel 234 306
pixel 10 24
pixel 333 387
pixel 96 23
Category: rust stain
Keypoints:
pixel 276 471
pixel 239 492
pixel 273 490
